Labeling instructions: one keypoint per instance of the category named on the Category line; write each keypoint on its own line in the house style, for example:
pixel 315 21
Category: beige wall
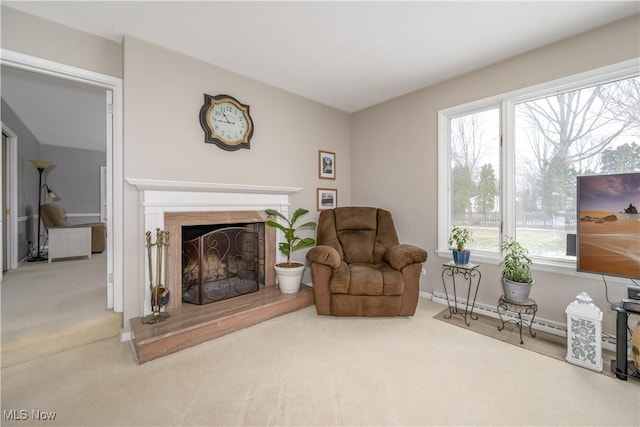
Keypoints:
pixel 34 36
pixel 394 155
pixel 163 139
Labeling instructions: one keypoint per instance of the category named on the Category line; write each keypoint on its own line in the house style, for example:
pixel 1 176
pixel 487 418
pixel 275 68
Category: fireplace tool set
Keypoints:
pixel 159 292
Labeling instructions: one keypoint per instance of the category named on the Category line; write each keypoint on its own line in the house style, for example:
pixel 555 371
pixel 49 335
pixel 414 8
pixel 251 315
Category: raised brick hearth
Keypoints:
pixel 190 325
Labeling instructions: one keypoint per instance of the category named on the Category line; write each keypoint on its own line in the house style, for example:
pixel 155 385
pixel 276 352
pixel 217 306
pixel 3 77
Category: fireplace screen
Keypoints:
pixel 220 264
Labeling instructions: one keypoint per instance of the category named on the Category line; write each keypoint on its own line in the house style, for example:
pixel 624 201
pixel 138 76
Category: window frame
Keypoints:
pixel 506 103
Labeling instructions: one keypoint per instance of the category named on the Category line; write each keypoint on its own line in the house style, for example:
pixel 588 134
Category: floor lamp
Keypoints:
pixel 41 165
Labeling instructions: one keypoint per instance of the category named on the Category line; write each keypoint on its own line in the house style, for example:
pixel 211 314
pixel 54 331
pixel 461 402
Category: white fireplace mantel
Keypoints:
pixel 158 197
pixel 163 185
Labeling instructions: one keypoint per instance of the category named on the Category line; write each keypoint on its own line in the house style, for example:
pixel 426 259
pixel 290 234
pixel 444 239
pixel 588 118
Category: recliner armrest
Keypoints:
pixel 399 256
pixel 325 255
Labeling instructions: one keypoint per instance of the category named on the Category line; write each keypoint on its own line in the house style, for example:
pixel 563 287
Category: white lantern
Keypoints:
pixel 584 333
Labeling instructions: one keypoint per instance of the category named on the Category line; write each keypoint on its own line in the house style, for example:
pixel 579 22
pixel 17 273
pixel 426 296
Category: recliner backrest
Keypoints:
pixel 52 215
pixel 359 234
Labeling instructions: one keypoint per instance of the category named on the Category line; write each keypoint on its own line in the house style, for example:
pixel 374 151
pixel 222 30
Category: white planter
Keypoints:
pixel 289 278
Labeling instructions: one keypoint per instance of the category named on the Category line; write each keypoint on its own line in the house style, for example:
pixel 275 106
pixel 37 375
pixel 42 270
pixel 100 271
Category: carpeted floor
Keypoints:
pixel 51 307
pixel 302 369
pixel 543 343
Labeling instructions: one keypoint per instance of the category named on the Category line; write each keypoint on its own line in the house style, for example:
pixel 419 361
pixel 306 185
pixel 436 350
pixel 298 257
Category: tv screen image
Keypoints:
pixel 608 231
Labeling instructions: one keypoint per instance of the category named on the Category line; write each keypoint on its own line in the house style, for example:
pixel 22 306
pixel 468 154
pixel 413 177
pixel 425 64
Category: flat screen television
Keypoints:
pixel 608 229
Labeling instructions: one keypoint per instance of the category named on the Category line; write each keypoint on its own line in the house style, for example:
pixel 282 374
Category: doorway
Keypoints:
pixel 113 119
pixel 9 177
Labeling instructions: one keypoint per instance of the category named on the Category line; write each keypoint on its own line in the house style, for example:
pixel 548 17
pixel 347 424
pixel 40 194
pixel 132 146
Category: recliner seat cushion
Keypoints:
pixel 366 279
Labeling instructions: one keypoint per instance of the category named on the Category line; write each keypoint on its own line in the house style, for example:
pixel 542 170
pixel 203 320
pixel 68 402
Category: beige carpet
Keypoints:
pixel 543 343
pixel 302 369
pixel 52 307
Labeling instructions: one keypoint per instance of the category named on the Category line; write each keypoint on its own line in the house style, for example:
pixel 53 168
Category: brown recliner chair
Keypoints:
pixel 52 216
pixel 359 268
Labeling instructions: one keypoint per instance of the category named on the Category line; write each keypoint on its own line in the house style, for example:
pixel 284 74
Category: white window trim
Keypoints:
pixel 507 102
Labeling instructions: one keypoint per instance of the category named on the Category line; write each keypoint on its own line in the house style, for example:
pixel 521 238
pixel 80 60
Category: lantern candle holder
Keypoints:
pixel 584 333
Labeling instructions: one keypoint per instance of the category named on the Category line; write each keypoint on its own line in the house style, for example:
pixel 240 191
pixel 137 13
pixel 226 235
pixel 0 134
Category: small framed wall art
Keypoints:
pixel 327 198
pixel 326 165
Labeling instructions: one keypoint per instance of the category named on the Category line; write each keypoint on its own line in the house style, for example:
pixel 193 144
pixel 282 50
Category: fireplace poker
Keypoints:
pixel 162 241
pixel 148 246
pixel 158 260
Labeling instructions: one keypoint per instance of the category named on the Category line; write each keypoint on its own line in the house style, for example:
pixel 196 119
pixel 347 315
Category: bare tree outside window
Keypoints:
pixel 587 131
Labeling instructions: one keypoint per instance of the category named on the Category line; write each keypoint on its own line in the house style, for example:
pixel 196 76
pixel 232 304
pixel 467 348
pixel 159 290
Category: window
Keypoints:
pixel 511 162
pixel 474 172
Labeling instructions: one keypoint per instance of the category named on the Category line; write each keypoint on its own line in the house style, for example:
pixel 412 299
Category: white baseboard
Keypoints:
pixel 539 324
pixel 125 336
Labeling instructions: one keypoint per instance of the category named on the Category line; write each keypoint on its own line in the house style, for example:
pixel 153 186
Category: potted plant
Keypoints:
pixel 289 274
pixel 516 275
pixel 460 236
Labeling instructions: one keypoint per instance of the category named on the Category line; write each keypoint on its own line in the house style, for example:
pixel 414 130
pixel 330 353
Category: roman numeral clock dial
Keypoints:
pixel 226 122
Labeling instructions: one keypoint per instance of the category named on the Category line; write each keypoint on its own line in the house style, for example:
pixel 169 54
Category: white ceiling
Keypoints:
pixel 57 111
pixel 348 55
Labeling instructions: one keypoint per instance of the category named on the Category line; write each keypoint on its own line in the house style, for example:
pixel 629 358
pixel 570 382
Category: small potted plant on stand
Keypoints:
pixel 460 236
pixel 516 275
pixel 289 274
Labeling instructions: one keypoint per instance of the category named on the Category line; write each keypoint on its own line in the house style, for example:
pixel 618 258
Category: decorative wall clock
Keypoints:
pixel 226 122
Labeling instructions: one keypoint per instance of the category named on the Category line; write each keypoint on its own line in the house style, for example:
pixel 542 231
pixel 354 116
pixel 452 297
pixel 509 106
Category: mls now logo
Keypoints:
pixel 15 414
pixel 23 415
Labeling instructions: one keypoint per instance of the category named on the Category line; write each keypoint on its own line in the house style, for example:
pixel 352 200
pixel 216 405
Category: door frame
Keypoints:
pixel 10 166
pixel 115 289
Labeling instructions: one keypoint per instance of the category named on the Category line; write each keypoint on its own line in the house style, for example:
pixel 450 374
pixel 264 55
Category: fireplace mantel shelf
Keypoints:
pixel 164 185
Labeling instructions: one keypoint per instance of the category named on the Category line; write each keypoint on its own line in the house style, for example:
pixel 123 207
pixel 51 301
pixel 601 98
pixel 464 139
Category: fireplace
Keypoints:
pixel 171 205
pixel 221 261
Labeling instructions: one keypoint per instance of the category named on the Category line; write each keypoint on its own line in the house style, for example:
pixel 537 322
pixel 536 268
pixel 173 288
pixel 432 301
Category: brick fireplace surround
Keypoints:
pixel 169 205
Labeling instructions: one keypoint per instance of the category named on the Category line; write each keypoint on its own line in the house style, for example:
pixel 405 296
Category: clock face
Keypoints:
pixel 226 122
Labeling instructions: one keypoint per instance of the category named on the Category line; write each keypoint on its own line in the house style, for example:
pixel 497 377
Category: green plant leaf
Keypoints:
pixel 293 242
pixel 297 214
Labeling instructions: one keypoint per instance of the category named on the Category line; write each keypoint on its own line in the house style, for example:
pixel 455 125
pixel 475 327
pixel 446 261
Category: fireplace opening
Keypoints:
pixel 221 261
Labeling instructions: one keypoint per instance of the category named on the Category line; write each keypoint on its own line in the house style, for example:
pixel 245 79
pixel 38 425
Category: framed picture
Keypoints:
pixel 326 165
pixel 327 198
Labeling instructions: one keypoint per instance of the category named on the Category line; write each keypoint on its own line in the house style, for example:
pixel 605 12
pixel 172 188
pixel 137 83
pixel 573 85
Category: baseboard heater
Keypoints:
pixel 539 324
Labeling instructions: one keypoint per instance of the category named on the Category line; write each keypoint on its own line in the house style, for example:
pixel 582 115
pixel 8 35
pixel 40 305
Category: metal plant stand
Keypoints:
pixel 469 273
pixel 529 307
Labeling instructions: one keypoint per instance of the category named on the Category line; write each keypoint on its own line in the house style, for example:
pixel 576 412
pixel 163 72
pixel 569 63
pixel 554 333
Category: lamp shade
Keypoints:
pixel 584 333
pixel 41 164
pixel 51 194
